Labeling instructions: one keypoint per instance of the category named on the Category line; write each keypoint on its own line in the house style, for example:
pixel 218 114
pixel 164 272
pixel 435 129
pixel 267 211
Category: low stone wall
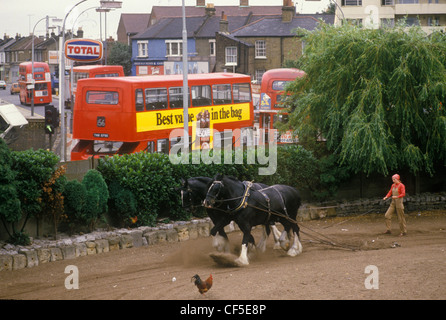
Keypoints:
pixel 43 251
pixel 420 202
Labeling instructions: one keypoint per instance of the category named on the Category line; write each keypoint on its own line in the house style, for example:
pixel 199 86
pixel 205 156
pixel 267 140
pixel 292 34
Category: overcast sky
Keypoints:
pixel 20 16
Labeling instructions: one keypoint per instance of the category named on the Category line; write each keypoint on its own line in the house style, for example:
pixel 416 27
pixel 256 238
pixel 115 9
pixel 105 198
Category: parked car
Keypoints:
pixel 15 88
pixel 2 85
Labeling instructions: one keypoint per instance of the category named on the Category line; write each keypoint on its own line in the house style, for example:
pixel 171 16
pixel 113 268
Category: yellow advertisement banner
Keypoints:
pixel 173 118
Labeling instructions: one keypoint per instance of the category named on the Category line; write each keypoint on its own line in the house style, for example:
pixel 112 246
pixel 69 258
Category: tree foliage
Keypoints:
pixel 9 201
pixel 376 96
pixel 96 197
pixel 120 54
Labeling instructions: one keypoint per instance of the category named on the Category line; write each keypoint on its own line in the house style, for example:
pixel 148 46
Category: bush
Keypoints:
pixel 75 196
pixel 96 197
pixel 33 171
pixel 9 201
pixel 122 206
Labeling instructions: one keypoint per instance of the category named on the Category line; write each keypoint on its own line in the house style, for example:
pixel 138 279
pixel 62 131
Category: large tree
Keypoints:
pixel 377 96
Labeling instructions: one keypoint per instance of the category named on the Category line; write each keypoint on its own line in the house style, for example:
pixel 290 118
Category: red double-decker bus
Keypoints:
pixel 132 114
pixel 42 83
pixel 95 71
pixel 270 106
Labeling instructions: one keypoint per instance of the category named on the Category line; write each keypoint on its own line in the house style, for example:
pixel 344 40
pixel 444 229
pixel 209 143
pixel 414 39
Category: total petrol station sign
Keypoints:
pixel 84 50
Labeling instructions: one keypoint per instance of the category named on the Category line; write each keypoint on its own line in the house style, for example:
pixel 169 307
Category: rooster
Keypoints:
pixel 202 286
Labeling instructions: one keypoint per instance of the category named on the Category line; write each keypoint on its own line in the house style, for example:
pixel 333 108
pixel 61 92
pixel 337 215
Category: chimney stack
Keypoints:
pixel 288 11
pixel 244 3
pixel 80 33
pixel 210 10
pixel 224 26
pixel 201 3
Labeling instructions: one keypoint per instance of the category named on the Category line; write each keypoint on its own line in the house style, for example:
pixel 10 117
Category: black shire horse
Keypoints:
pixel 193 193
pixel 250 207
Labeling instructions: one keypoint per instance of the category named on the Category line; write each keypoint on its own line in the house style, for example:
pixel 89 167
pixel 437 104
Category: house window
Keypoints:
pixel 387 22
pixel 433 21
pixel 143 48
pixel 260 49
pixel 351 2
pixel 259 75
pixel 212 48
pixel 231 56
pixel 174 48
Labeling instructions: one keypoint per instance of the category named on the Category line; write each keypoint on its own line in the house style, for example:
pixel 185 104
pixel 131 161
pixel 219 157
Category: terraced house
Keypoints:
pixel 244 39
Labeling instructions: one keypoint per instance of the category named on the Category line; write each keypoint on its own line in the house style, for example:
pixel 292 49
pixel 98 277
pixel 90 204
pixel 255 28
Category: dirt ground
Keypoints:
pixel 411 267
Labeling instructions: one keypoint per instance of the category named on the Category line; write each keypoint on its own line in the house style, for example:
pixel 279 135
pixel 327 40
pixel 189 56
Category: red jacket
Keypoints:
pixel 401 190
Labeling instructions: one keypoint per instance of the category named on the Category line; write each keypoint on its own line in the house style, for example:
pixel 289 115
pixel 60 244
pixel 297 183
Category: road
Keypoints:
pixel 5 95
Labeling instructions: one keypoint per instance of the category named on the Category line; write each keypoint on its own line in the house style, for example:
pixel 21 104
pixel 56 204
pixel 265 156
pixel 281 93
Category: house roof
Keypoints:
pixel 134 22
pixel 274 27
pixel 25 43
pixel 198 26
pixel 7 43
pixel 171 28
pixel 166 21
pixel 176 11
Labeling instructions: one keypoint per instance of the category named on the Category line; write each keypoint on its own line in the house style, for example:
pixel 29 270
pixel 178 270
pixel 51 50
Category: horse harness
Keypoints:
pixel 244 200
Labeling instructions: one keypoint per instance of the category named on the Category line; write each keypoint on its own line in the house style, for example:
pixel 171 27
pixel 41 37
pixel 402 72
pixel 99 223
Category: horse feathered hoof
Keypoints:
pixel 226 260
pixel 285 245
pixel 241 262
pixel 295 250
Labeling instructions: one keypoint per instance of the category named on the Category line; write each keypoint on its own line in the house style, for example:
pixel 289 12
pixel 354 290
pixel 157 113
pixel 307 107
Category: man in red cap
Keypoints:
pixel 397 192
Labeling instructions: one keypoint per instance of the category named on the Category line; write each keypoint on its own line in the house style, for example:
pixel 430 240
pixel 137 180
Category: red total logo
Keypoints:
pixel 85 50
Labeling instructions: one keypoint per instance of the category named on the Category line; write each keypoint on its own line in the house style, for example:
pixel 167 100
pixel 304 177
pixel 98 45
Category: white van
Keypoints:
pixel 10 119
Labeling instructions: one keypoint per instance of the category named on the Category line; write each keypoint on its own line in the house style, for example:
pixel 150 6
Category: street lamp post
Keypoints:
pixel 32 62
pixel 105 10
pixel 185 86
pixel 105 4
pixel 62 85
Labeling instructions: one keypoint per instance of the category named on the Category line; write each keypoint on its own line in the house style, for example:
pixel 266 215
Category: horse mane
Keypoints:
pixel 202 179
pixel 221 176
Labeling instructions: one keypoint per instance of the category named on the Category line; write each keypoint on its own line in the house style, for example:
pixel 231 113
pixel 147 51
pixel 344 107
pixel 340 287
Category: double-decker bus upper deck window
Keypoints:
pixel 176 97
pixel 221 94
pixel 102 97
pixel 279 85
pixel 201 96
pixel 106 75
pixel 241 92
pixel 77 76
pixel 156 98
pixel 139 100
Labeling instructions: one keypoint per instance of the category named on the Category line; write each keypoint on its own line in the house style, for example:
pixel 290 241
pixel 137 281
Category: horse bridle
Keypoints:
pixel 244 199
pixel 189 191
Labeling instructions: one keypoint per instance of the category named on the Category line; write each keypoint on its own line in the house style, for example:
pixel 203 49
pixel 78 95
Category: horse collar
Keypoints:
pixel 244 202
